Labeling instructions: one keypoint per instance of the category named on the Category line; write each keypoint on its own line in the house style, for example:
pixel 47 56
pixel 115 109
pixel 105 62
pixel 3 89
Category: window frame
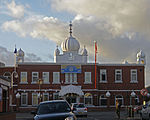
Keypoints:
pixel 26 99
pixel 103 98
pixel 35 93
pixel 85 78
pixel 118 70
pixel 25 76
pixel 58 81
pixel 45 82
pixel 73 77
pixel 46 93
pixel 101 73
pixel 131 76
pixel 34 82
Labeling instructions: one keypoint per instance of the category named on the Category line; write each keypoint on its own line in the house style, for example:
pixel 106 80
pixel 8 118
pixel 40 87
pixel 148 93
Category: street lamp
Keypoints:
pixel 18 101
pixel 40 81
pixel 133 94
pixel 108 98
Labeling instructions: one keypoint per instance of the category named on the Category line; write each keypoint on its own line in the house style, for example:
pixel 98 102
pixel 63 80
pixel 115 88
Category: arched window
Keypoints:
pixel 103 100
pixel 136 100
pixel 7 75
pixel 88 99
pixel 120 99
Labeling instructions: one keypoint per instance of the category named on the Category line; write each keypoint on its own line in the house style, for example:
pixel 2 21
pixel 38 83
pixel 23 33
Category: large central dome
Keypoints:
pixel 70 44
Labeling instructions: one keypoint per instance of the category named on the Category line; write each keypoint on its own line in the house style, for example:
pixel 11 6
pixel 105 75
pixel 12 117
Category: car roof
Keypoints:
pixel 51 101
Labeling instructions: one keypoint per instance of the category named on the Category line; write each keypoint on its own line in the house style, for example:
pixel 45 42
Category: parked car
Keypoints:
pixel 79 109
pixel 145 112
pixel 138 108
pixel 54 110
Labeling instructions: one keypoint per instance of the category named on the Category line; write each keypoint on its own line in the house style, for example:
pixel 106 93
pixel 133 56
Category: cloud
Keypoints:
pixel 123 15
pixel 37 27
pixel 12 9
pixel 7 57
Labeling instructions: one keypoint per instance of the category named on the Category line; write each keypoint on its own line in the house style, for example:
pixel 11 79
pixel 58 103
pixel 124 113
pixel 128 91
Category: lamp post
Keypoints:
pixel 133 94
pixel 17 101
pixel 40 95
pixel 108 98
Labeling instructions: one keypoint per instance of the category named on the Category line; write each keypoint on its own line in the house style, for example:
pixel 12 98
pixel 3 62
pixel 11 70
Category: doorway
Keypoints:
pixel 4 101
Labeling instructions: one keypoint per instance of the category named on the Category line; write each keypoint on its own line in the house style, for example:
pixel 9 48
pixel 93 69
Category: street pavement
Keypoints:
pixel 107 115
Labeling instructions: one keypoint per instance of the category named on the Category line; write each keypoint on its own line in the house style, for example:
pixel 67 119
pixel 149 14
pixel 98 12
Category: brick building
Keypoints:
pixel 72 78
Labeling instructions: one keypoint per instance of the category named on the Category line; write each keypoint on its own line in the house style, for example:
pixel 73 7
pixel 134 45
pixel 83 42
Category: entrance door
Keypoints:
pixel 71 98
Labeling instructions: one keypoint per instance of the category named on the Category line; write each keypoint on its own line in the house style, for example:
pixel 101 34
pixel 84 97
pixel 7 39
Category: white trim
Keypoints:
pixel 26 76
pixel 118 70
pixel 101 73
pixel 133 81
pixel 34 93
pixel 45 82
pixel 26 99
pixel 45 93
pixel 87 80
pixel 36 76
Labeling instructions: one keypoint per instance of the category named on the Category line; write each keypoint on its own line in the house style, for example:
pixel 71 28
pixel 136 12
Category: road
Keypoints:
pixel 111 115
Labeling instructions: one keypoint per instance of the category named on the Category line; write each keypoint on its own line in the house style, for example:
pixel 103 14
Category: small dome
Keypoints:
pixel 57 51
pixel 70 44
pixel 20 52
pixel 84 52
pixel 141 54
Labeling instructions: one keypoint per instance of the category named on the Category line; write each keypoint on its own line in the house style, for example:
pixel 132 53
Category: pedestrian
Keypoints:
pixel 118 106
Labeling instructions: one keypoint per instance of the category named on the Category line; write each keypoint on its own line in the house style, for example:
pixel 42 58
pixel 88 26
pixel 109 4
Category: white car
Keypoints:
pixel 79 109
pixel 145 112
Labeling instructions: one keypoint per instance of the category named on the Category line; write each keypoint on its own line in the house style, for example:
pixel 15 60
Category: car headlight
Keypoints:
pixel 69 118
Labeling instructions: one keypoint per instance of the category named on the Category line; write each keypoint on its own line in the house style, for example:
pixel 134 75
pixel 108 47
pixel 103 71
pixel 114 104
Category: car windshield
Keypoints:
pixel 52 107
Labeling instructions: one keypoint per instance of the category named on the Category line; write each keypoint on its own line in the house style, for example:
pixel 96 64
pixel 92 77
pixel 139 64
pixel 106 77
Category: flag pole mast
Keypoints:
pixel 95 43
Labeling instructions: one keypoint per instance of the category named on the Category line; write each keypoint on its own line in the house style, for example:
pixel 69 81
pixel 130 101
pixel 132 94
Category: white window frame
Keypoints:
pixel 44 95
pixel 54 94
pixel 37 99
pixel 72 77
pixel 7 76
pixel 101 73
pixel 21 74
pixel 34 82
pixel 58 81
pixel 118 70
pixel 91 97
pixel 131 76
pixel 45 82
pixel 85 78
pixel 26 99
pixel 102 98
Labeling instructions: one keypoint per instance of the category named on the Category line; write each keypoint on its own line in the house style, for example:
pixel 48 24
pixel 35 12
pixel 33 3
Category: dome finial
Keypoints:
pixel 70 28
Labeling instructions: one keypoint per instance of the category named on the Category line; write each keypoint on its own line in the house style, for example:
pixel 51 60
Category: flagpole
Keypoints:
pixel 95 43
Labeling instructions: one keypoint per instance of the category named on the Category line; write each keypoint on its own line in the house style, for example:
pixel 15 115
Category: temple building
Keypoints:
pixel 72 77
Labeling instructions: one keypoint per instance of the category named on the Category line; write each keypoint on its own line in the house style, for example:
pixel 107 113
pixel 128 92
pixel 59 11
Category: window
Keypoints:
pixel 133 76
pixel 35 77
pixel 120 99
pixel 45 96
pixel 34 99
pixel 88 100
pixel 118 76
pixel 56 78
pixel 103 100
pixel 7 75
pixel 23 77
pixel 87 77
pixel 46 77
pixel 56 96
pixel 134 100
pixel 71 78
pixel 24 99
pixel 103 75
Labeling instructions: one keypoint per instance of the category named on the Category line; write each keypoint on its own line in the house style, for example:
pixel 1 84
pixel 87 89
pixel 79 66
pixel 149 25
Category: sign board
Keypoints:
pixel 70 68
pixel 144 92
pixel 0 94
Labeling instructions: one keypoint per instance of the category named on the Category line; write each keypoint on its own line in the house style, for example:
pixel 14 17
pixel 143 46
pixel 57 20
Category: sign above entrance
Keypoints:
pixel 70 68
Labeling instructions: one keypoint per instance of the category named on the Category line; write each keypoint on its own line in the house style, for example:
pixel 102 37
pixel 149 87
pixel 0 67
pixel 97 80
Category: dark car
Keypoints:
pixel 54 110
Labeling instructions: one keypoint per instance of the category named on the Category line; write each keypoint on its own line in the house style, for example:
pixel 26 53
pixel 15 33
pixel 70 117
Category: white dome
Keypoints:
pixel 141 54
pixel 70 44
pixel 20 52
pixel 57 51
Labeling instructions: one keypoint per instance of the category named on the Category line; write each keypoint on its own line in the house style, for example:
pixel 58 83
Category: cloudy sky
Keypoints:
pixel 120 27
